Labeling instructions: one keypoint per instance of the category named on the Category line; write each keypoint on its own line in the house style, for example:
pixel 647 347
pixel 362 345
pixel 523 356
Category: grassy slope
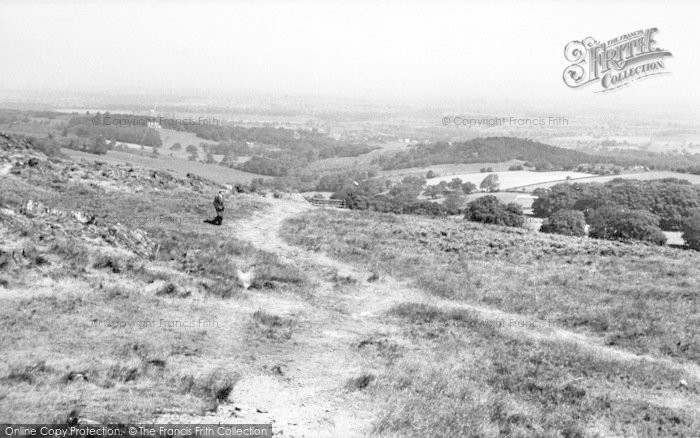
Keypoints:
pixel 92 324
pixel 640 297
pixel 453 374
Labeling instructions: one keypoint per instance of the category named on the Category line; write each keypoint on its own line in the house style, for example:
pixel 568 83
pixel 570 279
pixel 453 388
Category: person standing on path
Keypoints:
pixel 219 207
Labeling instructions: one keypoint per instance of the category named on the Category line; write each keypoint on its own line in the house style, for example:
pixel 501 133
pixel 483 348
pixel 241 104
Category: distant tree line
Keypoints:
pixel 670 199
pixel 94 126
pixel 539 155
pixel 274 151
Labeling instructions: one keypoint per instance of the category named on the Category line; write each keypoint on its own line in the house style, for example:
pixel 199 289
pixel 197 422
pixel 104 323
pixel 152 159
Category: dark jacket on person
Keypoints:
pixel 219 202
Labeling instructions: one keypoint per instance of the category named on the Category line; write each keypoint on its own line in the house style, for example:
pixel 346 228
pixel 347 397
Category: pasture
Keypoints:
pixel 181 167
pixel 693 179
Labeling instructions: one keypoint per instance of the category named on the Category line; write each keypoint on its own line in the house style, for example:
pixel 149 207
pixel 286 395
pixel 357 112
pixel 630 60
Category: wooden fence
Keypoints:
pixel 337 203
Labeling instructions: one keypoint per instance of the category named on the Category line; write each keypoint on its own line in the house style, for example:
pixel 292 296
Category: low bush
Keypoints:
pixel 489 210
pixel 691 230
pixel 566 222
pixel 619 223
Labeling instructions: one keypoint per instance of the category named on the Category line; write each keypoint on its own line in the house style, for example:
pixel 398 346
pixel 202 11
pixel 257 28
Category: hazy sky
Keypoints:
pixel 417 49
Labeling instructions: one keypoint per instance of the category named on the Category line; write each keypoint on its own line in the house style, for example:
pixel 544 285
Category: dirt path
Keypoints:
pixel 309 398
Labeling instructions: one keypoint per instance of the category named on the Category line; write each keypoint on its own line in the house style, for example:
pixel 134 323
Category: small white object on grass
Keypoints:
pixel 246 278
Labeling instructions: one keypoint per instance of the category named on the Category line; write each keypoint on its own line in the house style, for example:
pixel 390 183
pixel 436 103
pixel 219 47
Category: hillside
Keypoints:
pixel 118 302
pixel 540 155
pixel 534 335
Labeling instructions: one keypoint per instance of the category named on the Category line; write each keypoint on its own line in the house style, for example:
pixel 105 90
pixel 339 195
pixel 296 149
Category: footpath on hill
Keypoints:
pixel 310 398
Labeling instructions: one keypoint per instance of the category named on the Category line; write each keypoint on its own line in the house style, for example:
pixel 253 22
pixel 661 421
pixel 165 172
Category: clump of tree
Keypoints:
pixel 229 160
pixel 489 210
pixel 356 200
pixel 176 147
pixel 490 183
pixel 566 222
pixel 615 222
pixel 489 150
pixel 447 188
pixel 670 199
pixel 400 198
pixel 691 230
pixel 50 147
pixel 408 190
pixel 435 190
pixel 121 127
pixel 351 178
pixel 468 187
pixel 453 201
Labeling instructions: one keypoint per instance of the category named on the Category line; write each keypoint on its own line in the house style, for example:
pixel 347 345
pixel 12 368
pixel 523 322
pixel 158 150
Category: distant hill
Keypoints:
pixel 482 150
pixel 540 155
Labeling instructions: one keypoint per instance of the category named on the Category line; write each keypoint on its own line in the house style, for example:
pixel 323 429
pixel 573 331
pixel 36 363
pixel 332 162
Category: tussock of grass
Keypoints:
pixel 213 386
pixel 28 373
pixel 34 256
pixel 459 381
pixel 72 252
pixel 223 289
pixel 361 382
pixel 343 280
pixel 117 292
pixel 111 263
pixel 168 289
pixel 269 270
pixel 270 326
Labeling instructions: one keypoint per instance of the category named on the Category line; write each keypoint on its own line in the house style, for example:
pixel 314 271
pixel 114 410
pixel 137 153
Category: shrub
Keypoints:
pixel 566 222
pixel 455 184
pixel 691 230
pixel 108 262
pixel 489 210
pixel 453 202
pixel 618 223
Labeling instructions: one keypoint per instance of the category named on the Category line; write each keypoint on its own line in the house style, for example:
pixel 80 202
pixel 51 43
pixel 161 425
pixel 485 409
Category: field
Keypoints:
pixel 181 167
pixel 171 136
pixel 693 179
pixel 511 179
pixel 340 164
pixel 35 126
pixel 448 170
pixel 525 200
